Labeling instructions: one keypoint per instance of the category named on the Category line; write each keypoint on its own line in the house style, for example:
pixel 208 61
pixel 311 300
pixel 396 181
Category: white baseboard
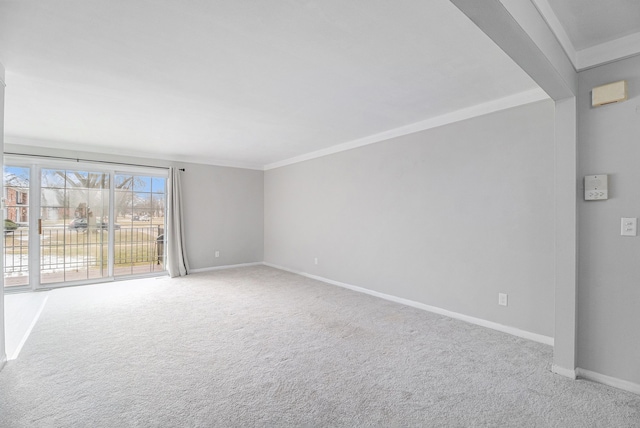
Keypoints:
pixel 570 373
pixel 478 321
pixel 207 269
pixel 608 380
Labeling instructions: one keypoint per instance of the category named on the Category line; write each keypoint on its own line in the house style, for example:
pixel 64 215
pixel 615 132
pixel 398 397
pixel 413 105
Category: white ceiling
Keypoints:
pixel 590 23
pixel 238 82
pixel 258 83
pixel 594 32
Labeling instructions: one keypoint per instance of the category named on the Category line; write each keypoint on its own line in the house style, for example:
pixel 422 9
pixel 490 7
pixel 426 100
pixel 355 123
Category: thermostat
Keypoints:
pixel 596 187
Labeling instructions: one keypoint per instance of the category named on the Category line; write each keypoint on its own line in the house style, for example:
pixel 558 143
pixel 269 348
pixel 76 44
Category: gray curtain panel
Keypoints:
pixel 177 262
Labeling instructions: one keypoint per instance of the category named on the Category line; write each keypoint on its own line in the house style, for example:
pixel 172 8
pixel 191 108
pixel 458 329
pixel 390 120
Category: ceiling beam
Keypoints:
pixel 517 27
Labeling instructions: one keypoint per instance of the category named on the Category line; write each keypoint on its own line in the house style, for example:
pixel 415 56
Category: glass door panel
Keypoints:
pixel 16 226
pixel 139 237
pixel 74 213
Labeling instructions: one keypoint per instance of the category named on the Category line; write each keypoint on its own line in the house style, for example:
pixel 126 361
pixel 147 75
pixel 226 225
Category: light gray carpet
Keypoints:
pixel 260 347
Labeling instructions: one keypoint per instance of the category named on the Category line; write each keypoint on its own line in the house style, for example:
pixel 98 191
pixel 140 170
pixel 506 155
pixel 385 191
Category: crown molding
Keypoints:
pixel 593 56
pixel 515 100
pixel 605 53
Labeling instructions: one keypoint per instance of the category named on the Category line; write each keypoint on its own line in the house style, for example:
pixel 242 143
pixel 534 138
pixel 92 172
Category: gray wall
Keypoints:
pixel 223 207
pixel 609 264
pixel 447 217
pixel 224 212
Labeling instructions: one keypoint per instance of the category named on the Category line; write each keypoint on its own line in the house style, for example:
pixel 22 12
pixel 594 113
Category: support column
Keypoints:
pixel 566 235
pixel 521 32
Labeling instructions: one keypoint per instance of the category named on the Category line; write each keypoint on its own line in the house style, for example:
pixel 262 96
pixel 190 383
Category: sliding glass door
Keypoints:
pixel 67 224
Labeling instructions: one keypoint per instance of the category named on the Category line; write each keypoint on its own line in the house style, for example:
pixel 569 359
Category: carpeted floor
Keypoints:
pixel 260 347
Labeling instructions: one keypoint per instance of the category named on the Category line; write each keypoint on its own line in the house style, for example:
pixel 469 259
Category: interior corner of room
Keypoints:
pixel 517 213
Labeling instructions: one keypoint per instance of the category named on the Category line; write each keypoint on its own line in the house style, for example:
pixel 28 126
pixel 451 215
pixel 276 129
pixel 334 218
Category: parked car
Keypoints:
pixel 10 225
pixel 144 218
pixel 81 224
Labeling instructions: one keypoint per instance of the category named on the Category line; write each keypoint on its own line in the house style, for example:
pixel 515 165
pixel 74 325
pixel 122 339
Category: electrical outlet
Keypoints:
pixel 502 299
pixel 217 253
pixel 315 260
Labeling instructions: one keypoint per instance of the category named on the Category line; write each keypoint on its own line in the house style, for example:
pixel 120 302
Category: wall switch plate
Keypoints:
pixel 315 260
pixel 217 253
pixel 502 299
pixel 628 226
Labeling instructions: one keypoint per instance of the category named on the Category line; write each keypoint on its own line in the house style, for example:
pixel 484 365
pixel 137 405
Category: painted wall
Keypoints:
pixel 3 354
pixel 448 217
pixel 609 264
pixel 225 213
pixel 223 207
